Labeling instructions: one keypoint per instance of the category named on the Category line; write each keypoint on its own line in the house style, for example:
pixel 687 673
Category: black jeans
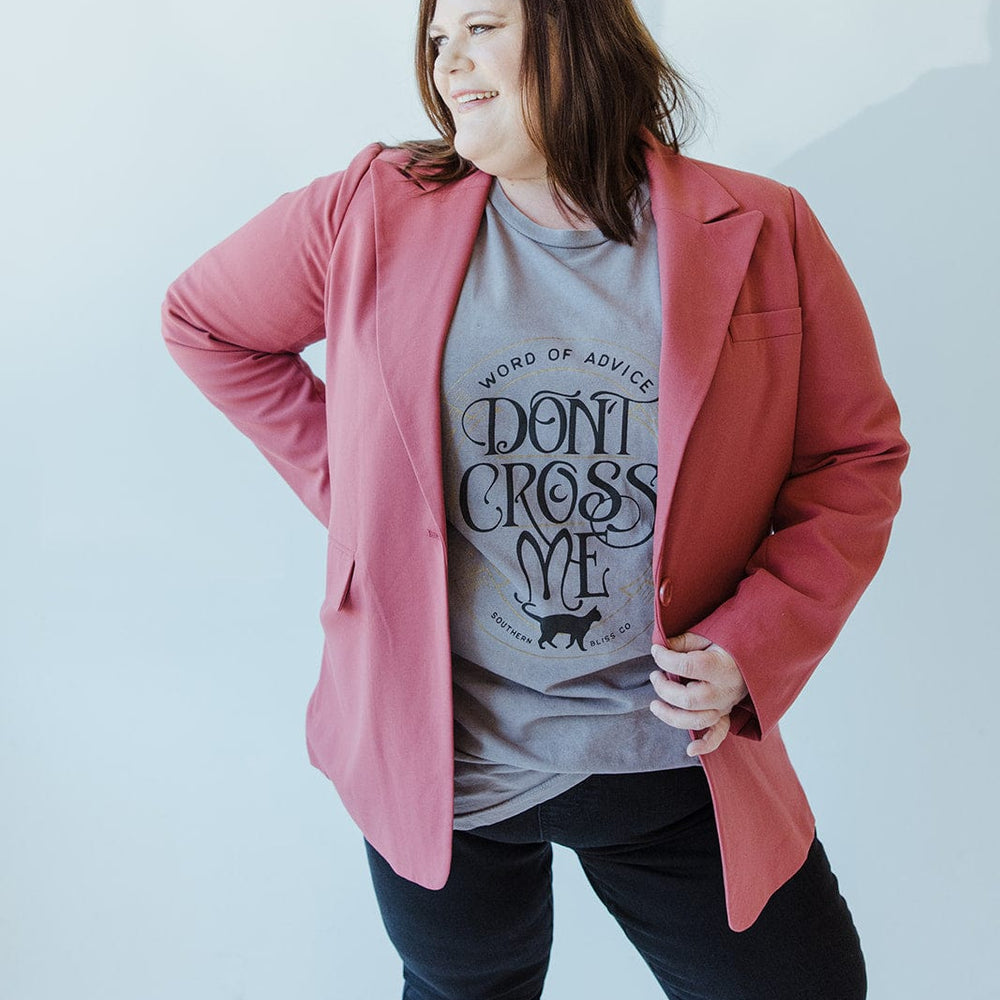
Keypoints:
pixel 648 846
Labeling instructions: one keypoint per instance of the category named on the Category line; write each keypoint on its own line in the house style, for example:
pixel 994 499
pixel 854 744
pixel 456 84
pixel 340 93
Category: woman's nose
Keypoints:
pixel 452 55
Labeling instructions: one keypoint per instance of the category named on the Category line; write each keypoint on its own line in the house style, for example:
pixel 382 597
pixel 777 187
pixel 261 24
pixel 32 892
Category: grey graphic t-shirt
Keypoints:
pixel 550 407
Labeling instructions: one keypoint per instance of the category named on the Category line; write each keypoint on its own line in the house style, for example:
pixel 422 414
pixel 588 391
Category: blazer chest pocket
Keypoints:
pixel 766 325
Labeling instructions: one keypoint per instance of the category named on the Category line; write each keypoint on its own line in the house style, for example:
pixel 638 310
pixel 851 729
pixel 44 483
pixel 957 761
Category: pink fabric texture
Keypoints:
pixel 779 463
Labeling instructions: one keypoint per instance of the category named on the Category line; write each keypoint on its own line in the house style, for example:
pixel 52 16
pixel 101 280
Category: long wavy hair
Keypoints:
pixel 612 81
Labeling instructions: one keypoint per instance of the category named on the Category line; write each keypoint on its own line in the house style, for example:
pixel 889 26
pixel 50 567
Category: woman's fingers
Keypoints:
pixel 681 719
pixel 711 739
pixel 710 663
pixel 694 696
pixel 687 642
pixel 722 684
pixel 697 684
pixel 711 726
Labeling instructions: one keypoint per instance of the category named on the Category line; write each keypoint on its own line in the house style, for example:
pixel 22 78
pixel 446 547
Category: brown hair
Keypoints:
pixel 612 80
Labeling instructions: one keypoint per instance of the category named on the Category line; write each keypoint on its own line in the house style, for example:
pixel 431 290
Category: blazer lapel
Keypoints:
pixel 704 250
pixel 423 244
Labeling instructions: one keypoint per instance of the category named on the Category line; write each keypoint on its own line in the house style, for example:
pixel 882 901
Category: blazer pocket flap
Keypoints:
pixel 764 325
pixel 339 573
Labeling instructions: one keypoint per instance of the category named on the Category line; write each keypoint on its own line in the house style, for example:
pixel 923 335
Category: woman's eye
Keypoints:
pixel 438 42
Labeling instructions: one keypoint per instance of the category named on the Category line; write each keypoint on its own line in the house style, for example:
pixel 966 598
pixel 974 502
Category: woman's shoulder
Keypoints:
pixel 330 192
pixel 400 161
pixel 361 163
pixel 699 180
pixel 749 189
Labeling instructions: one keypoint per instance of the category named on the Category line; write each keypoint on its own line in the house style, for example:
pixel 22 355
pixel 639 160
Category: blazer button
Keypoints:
pixel 666 591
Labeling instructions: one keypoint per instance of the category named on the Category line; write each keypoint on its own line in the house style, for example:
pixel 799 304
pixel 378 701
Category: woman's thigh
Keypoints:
pixel 648 845
pixel 669 899
pixel 486 935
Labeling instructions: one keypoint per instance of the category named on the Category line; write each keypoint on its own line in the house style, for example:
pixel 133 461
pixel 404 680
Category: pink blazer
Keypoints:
pixel 779 462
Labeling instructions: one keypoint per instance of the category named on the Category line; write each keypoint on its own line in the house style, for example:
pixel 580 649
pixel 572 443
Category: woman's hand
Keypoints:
pixel 710 685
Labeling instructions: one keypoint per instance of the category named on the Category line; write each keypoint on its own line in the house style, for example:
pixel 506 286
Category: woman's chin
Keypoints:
pixel 471 150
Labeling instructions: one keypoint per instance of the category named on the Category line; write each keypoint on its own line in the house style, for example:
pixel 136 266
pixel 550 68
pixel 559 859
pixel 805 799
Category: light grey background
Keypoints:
pixel 162 834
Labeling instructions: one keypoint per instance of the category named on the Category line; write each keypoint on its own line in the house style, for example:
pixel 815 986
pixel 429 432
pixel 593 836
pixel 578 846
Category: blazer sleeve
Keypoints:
pixel 833 513
pixel 238 318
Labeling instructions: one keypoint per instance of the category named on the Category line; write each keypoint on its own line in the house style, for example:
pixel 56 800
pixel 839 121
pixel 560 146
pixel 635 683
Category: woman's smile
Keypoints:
pixel 467 98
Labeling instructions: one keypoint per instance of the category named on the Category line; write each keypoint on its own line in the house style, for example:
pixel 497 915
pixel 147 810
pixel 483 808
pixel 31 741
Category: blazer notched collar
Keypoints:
pixel 425 240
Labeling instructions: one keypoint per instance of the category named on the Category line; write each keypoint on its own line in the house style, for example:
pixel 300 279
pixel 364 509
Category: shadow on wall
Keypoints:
pixel 906 191
pixel 911 181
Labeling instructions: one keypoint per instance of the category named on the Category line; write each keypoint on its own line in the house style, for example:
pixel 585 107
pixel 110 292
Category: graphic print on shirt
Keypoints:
pixel 550 466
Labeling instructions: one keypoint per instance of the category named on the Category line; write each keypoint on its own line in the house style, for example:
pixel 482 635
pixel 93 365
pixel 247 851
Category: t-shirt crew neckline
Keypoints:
pixel 571 238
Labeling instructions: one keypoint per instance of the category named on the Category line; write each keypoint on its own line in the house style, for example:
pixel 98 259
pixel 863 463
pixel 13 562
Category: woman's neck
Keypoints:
pixel 535 199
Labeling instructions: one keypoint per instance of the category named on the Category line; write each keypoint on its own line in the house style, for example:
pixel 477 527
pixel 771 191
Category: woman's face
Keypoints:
pixel 477 72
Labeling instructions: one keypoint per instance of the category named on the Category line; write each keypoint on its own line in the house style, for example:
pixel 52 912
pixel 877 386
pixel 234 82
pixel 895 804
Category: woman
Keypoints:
pixel 584 398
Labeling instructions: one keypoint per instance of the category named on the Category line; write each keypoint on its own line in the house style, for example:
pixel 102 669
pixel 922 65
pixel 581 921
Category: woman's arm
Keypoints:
pixel 236 320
